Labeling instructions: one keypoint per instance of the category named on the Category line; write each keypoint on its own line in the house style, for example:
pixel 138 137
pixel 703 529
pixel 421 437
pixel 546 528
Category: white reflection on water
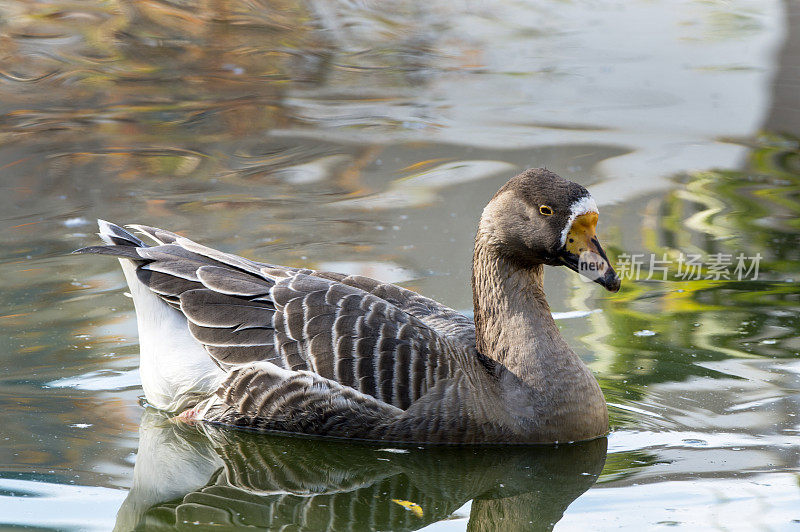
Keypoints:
pixel 100 380
pixel 658 78
pixel 34 503
pixel 718 504
pixel 421 188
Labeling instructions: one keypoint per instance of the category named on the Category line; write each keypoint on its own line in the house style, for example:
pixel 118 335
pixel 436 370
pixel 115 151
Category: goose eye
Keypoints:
pixel 546 210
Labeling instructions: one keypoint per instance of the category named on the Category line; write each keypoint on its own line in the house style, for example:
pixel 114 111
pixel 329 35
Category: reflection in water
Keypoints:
pixel 207 476
pixel 722 361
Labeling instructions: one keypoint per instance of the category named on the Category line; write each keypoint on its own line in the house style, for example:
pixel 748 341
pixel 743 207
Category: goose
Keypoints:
pixel 230 341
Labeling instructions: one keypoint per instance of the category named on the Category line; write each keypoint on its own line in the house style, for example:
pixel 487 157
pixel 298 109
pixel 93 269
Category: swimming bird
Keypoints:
pixel 231 341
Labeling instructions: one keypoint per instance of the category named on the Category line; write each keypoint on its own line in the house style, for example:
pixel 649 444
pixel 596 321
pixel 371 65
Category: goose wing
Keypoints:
pixel 378 339
pixel 447 322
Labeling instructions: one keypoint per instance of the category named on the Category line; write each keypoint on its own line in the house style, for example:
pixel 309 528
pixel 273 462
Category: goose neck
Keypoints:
pixel 513 322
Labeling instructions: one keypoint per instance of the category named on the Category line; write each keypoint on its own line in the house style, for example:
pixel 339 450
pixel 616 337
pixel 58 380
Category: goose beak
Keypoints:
pixel 583 253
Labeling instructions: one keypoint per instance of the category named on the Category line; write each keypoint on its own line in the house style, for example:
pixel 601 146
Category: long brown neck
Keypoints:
pixel 551 386
pixel 513 323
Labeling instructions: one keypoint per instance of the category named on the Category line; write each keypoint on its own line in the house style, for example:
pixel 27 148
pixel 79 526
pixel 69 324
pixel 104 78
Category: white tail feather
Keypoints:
pixel 175 369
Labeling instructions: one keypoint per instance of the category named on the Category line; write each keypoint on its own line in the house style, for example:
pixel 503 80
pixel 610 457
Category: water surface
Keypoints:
pixel 366 138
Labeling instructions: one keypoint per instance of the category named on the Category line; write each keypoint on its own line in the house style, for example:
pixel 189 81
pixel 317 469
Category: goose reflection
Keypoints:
pixel 190 476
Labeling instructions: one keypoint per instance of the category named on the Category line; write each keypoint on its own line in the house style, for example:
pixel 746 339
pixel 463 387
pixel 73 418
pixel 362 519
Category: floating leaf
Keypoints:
pixel 412 507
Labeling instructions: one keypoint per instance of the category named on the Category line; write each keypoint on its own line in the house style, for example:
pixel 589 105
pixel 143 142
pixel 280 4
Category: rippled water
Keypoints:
pixel 366 137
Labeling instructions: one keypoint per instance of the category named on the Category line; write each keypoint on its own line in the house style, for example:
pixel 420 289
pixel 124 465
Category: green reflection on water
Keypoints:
pixel 690 323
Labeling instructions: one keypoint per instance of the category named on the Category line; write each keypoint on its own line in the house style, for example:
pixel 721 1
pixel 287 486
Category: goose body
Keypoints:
pixel 232 341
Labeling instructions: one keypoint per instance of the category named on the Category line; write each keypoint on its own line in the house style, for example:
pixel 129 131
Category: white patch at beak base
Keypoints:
pixel 580 206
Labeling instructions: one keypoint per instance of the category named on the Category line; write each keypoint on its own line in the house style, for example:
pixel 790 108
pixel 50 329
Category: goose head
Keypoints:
pixel 538 218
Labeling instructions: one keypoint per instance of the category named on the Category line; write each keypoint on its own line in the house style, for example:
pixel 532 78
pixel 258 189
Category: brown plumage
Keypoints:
pixel 322 353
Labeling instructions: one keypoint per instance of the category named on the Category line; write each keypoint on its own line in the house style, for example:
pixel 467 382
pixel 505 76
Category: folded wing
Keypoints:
pixel 378 339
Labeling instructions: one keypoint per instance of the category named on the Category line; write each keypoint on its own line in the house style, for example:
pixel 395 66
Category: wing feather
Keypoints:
pixel 159 236
pixel 231 336
pixel 233 282
pixel 165 285
pixel 243 354
pixel 207 308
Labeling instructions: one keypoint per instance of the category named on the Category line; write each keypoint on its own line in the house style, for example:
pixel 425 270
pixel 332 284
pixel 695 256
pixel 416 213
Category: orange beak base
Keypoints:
pixel 583 253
